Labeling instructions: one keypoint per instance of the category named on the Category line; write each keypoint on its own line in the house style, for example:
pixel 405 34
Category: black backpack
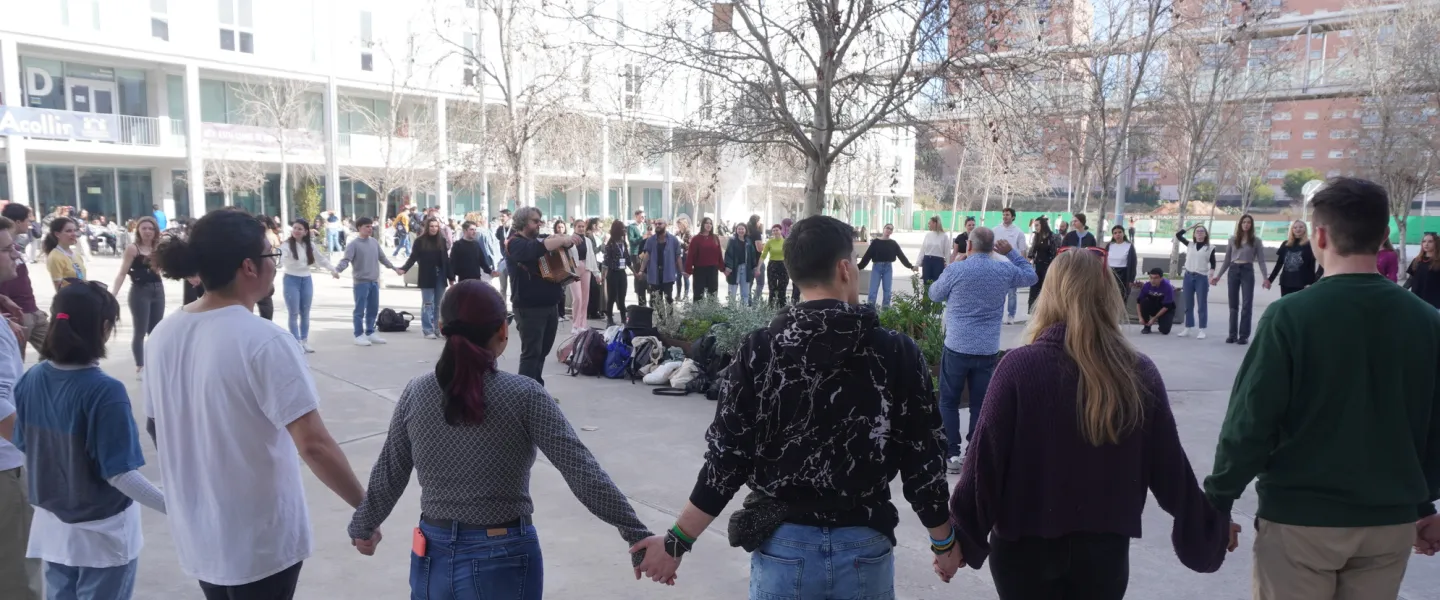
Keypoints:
pixel 390 321
pixel 415 226
pixel 589 355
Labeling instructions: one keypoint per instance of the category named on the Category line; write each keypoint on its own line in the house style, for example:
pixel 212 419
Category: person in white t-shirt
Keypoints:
pixel 19 576
pixel 234 410
pixel 1009 232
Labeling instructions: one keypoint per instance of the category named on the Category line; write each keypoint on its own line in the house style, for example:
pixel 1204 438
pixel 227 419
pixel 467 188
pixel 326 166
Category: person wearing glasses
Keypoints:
pixel 1076 432
pixel 366 254
pixel 973 291
pixel 233 410
pixel 535 298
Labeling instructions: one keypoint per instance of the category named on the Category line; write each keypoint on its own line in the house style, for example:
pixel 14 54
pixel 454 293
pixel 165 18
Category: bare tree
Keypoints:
pixel 397 130
pixel 534 72
pixel 697 170
pixel 1245 155
pixel 1213 72
pixel 570 155
pixel 815 75
pixel 287 107
pixel 230 176
pixel 1398 63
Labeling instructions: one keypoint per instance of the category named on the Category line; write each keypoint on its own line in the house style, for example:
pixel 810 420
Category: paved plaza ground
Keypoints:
pixel 653 446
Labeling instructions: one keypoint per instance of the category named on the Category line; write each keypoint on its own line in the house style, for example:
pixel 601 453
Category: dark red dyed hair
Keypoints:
pixel 471 314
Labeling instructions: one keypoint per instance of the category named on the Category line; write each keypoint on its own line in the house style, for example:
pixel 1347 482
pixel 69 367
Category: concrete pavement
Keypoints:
pixel 652 446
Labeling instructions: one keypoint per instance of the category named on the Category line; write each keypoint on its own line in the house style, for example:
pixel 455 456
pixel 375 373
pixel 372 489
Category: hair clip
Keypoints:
pixel 62 316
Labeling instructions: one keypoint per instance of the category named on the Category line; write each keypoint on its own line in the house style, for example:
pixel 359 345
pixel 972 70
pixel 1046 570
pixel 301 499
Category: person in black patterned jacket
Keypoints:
pixel 818 413
pixel 473 510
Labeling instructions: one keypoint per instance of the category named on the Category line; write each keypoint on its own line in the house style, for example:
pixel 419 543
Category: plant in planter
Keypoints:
pixel 919 317
pixel 691 320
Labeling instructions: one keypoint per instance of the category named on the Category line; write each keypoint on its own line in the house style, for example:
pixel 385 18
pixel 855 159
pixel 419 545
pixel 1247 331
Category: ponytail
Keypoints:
pixel 461 371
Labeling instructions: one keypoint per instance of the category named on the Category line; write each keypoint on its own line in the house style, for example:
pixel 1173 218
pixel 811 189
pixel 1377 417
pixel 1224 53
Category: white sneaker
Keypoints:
pixel 1184 331
pixel 953 465
pixel 376 339
pixel 305 345
pixel 361 340
pixel 1009 321
pixel 1201 335
pixel 429 336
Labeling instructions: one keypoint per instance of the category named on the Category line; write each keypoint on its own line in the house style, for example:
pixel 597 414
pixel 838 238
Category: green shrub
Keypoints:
pixel 690 320
pixel 919 317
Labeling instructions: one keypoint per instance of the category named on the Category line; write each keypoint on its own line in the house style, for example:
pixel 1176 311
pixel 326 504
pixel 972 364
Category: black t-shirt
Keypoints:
pixel 962 241
pixel 527 288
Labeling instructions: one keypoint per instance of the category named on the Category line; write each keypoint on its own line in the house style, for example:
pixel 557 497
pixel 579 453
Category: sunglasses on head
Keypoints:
pixel 1096 250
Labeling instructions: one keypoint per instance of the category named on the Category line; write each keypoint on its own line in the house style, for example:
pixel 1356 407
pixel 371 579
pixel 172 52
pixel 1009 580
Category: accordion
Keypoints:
pixel 557 267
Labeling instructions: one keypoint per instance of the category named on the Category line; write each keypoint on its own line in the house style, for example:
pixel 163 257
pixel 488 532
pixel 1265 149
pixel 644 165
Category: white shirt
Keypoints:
pixel 110 542
pixel 1012 234
pixel 221 386
pixel 937 243
pixel 11 368
pixel 1118 254
pixel 296 263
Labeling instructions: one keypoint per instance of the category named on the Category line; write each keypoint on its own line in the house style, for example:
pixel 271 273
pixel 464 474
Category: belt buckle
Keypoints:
pixel 495 532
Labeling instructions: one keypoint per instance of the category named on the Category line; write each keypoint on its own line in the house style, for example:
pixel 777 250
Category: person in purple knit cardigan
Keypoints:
pixel 1075 428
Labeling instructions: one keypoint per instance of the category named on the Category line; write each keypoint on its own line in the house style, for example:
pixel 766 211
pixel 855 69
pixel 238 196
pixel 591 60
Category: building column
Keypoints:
pixel 332 141
pixel 194 159
pixel 605 168
pixel 667 208
pixel 442 161
pixel 13 94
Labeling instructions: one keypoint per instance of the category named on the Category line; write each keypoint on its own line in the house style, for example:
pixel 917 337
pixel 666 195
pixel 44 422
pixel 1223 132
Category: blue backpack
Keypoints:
pixel 617 357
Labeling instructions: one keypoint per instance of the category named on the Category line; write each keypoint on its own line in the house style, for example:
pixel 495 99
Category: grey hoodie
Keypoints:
pixel 367 256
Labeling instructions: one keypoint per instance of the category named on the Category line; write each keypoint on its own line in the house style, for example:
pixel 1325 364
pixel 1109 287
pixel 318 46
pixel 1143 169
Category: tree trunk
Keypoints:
pixel 284 188
pixel 817 178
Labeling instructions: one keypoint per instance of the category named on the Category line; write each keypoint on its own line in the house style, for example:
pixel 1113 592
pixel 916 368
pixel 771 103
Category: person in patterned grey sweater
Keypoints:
pixel 473 510
pixel 818 413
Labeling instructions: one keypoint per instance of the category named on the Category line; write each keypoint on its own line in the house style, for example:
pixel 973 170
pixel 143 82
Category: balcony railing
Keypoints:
pixel 65 125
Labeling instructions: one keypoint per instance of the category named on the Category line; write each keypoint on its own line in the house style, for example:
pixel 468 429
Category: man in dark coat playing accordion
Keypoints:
pixel 535 299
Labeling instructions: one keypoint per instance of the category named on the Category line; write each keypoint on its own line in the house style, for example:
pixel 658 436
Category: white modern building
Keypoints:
pixel 113 106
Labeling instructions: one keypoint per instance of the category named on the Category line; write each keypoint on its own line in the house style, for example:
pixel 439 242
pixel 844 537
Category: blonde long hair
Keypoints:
pixel 1080 293
pixel 1304 238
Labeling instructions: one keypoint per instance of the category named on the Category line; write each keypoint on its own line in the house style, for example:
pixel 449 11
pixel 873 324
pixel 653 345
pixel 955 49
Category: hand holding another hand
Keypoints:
pixel 948 563
pixel 656 562
pixel 1427 535
pixel 1234 537
pixel 367 547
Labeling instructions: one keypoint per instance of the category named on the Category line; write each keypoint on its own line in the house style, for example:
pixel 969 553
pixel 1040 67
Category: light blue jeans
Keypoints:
pixel 332 239
pixel 1196 293
pixel 741 285
pixel 881 274
pixel 90 583
pixel 1012 299
pixel 802 562
pixel 367 306
pixel 429 299
pixel 298 292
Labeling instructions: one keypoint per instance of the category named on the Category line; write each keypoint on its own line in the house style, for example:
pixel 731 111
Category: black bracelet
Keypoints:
pixel 674 546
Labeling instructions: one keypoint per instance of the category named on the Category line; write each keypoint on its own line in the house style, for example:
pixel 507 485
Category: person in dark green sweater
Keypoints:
pixel 1333 412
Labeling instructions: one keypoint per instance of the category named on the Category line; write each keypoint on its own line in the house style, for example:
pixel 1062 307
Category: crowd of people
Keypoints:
pixel 1067 434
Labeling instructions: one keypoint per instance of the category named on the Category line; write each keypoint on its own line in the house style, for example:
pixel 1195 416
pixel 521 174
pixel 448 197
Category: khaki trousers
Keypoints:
pixel 20 577
pixel 1322 563
pixel 37 327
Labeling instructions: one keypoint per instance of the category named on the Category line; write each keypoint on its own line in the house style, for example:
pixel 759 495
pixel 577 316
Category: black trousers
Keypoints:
pixel 280 586
pixel 642 289
pixel 537 327
pixel 1035 289
pixel 1124 285
pixel 615 287
pixel 266 306
pixel 1286 290
pixel 661 291
pixel 1078 566
pixel 1150 307
pixel 779 280
pixel 707 282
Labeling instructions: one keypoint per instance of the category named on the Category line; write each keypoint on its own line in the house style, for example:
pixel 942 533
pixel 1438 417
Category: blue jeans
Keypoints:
pixel 429 298
pixel 1012 299
pixel 367 305
pixel 89 583
pixel 955 370
pixel 1197 294
pixel 802 562
pixel 401 241
pixel 472 564
pixel 743 284
pixel 881 273
pixel 298 292
pixel 332 239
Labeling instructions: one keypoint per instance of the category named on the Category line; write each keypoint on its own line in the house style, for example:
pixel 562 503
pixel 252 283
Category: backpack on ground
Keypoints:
pixel 590 354
pixel 390 321
pixel 617 357
pixel 565 350
pixel 646 352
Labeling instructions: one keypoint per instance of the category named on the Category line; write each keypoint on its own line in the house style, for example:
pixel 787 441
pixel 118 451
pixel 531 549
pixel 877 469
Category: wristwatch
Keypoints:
pixel 674 546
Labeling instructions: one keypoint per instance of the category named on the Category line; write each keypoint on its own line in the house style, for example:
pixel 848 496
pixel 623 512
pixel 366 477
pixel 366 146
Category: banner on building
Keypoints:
pixel 44 123
pixel 262 139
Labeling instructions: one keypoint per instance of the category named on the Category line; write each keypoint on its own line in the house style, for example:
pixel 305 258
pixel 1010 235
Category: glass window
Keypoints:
pixel 1307 154
pixel 97 192
pixel 1337 154
pixel 44 83
pixel 232 105
pixel 227 39
pixel 1310 135
pixel 247 42
pixel 175 95
pixel 52 187
pixel 132 92
pixel 181 191
pixel 227 12
pixel 158 6
pixel 246 13
pixel 159 29
pixel 136 197
pixel 4 183
pixel 212 101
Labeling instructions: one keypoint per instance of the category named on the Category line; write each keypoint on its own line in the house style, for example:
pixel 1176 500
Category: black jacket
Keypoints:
pixel 1424 281
pixel 741 251
pixel 884 251
pixel 433 262
pixel 502 233
pixel 1295 266
pixel 1073 238
pixel 469 259
pixel 822 410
